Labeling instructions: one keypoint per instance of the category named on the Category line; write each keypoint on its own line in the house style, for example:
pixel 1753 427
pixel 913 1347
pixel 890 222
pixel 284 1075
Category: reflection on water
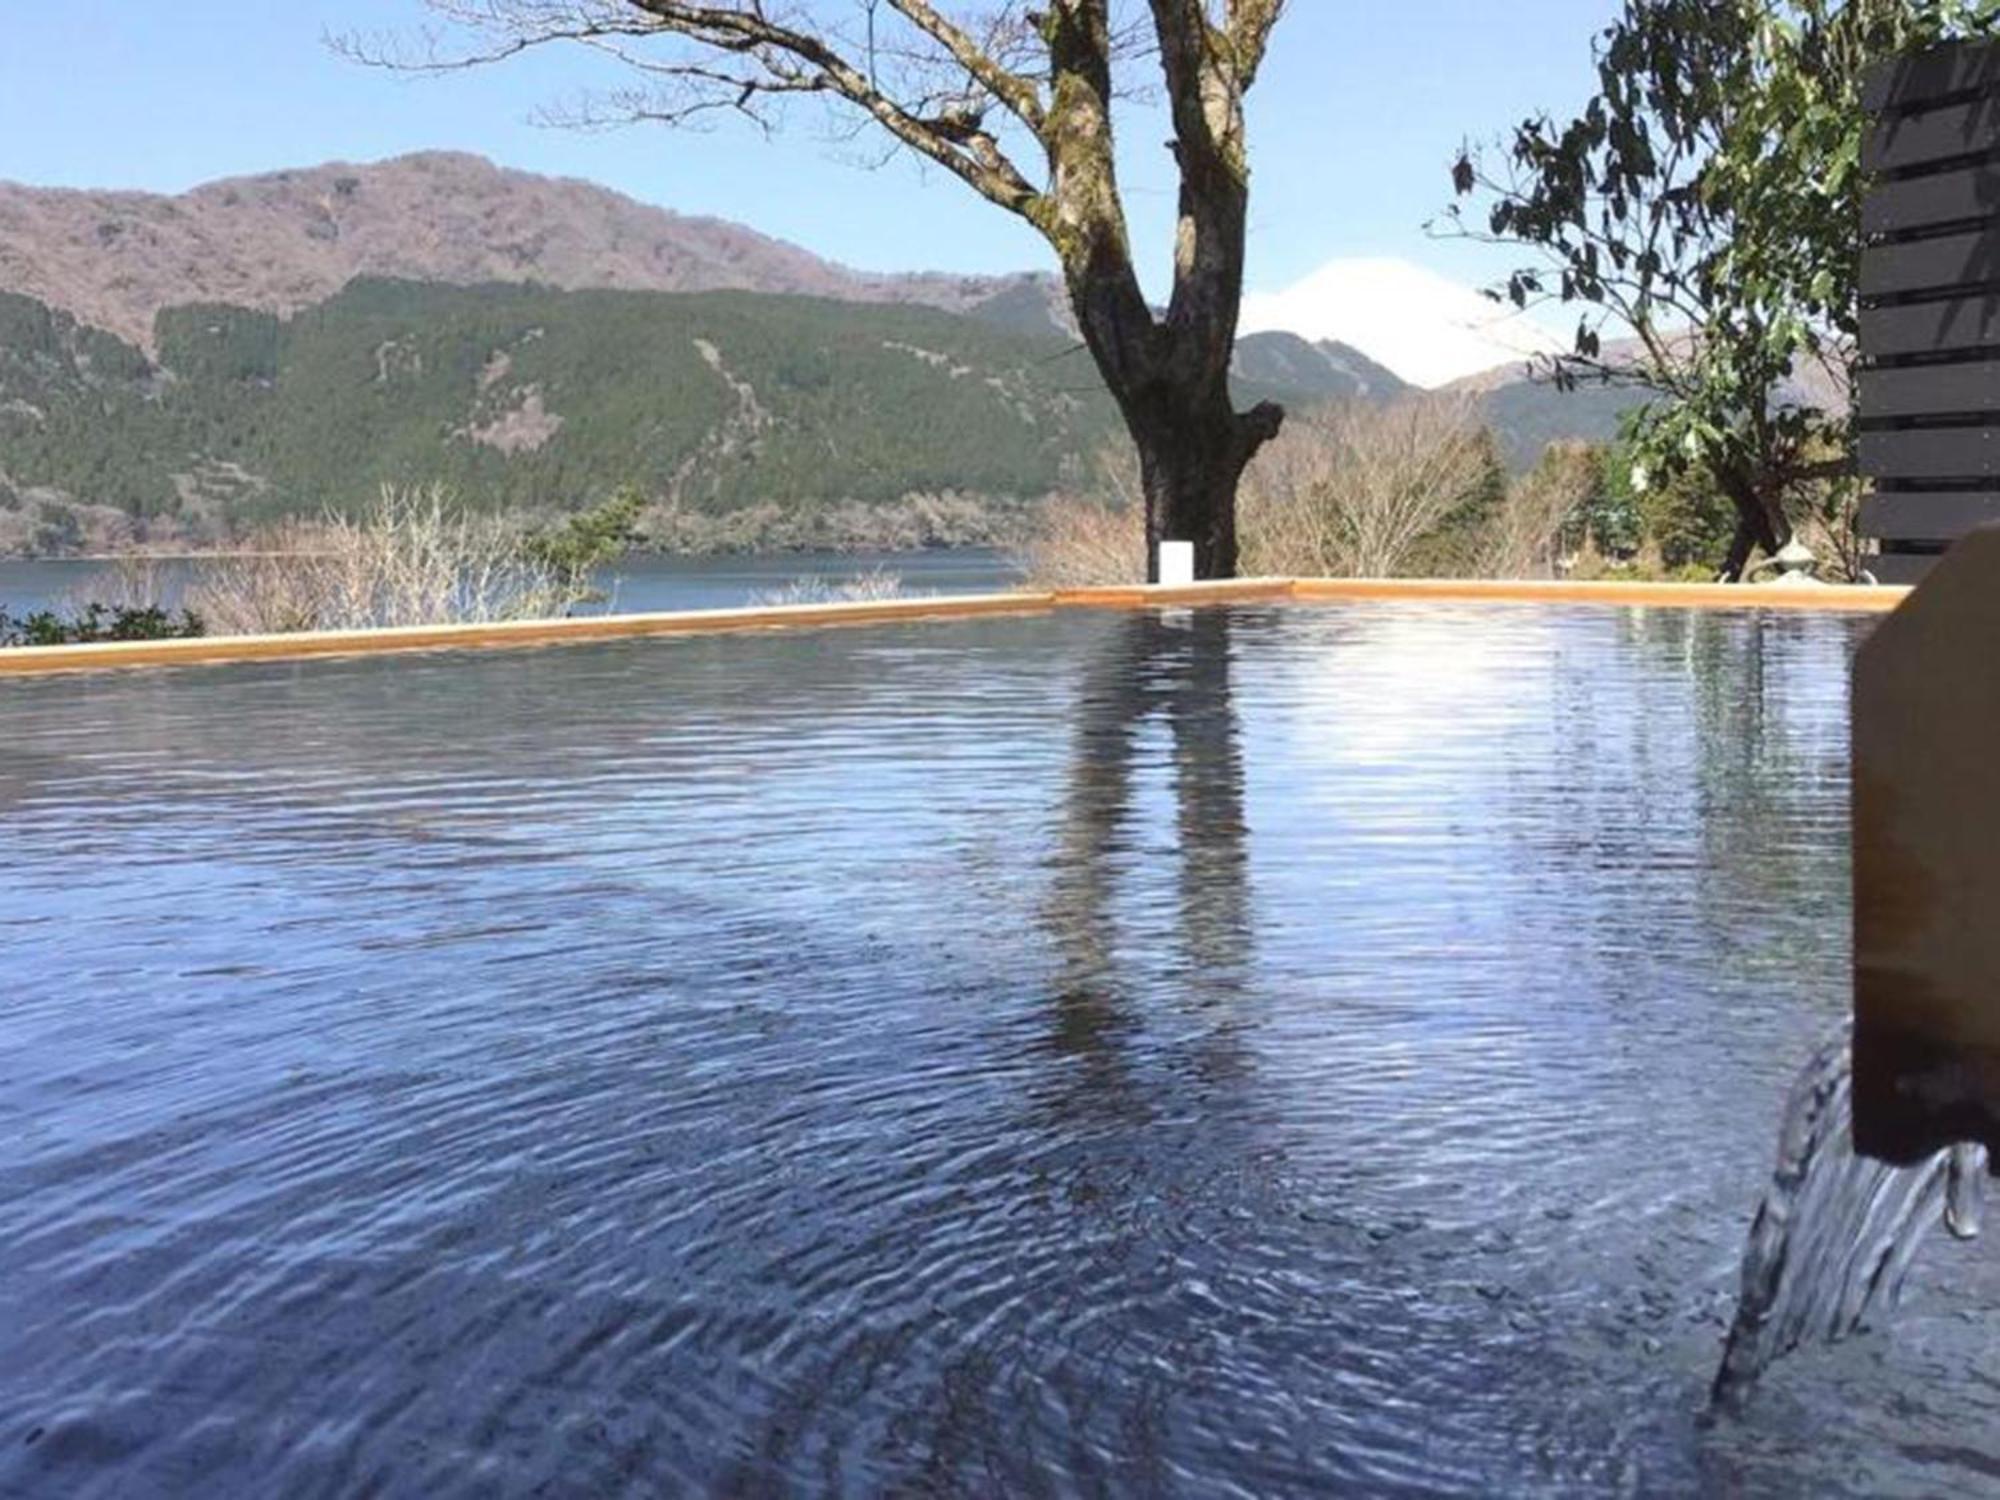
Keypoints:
pixel 1165 675
pixel 1262 1052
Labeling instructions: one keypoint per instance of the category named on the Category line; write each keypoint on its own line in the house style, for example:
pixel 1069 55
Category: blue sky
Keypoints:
pixel 1354 126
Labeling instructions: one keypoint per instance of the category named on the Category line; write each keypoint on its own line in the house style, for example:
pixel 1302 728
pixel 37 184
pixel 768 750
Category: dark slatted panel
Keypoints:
pixel 1901 567
pixel 1895 143
pixel 1953 197
pixel 1911 82
pixel 1928 390
pixel 1933 453
pixel 1931 230
pixel 1932 327
pixel 1928 517
pixel 1926 265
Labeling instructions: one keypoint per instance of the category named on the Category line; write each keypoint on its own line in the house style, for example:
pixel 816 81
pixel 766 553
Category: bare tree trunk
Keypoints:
pixel 1170 375
pixel 1172 387
pixel 1741 544
pixel 1191 463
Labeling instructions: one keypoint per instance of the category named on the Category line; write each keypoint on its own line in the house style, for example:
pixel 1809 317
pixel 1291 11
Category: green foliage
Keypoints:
pixel 1631 522
pixel 1706 201
pixel 1675 525
pixel 1687 521
pixel 215 343
pixel 749 419
pixel 1788 167
pixel 1612 519
pixel 745 418
pixel 575 550
pixel 1452 547
pixel 98 622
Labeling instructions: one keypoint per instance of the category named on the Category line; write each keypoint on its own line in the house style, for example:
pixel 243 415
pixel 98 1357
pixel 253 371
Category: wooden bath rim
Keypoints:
pixel 36 660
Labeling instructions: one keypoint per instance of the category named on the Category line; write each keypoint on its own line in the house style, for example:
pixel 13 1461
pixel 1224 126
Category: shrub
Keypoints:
pixel 1526 533
pixel 1085 541
pixel 131 582
pixel 98 622
pixel 415 558
pixel 1359 489
pixel 1095 533
pixel 1354 489
pixel 871 587
pixel 573 552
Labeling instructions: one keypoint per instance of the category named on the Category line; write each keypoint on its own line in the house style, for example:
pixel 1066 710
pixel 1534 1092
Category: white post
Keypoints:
pixel 1176 564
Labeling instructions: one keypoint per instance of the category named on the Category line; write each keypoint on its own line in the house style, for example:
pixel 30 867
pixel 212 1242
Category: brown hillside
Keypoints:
pixel 284 240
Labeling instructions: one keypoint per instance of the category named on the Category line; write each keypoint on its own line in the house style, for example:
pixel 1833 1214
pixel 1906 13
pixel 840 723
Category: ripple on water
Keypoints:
pixel 1253 1052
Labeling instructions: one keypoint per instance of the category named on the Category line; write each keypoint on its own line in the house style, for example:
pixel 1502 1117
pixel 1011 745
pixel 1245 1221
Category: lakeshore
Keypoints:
pixel 639 583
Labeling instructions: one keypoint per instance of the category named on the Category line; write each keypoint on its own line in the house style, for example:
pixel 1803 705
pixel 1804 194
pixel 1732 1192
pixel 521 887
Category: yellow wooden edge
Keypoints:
pixel 1142 596
pixel 28 660
pixel 1855 598
pixel 35 660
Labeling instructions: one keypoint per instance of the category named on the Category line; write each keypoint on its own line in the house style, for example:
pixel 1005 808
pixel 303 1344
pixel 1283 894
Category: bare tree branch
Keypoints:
pixel 1017 93
pixel 1251 23
pixel 775 58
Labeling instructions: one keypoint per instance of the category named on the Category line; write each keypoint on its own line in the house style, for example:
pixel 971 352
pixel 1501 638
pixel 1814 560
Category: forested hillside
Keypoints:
pixel 750 419
pixel 533 399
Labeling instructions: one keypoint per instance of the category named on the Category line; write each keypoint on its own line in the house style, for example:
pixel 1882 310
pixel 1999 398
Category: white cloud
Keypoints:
pixel 1429 329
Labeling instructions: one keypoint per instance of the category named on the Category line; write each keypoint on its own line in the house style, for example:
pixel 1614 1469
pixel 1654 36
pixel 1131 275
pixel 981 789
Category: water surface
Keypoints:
pixel 1282 1051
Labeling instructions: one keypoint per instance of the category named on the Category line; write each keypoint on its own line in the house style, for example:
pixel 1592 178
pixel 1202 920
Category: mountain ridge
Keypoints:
pixel 284 240
pixel 280 342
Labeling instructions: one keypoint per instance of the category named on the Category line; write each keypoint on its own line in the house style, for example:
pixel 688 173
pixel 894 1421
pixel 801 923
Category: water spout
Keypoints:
pixel 1835 1236
pixel 1887 1131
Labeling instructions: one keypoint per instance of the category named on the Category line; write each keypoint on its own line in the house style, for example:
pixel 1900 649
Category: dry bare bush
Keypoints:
pixel 277 584
pixel 1830 529
pixel 1096 535
pixel 414 558
pixel 1080 542
pixel 872 587
pixel 1524 535
pixel 419 559
pixel 1352 489
pixel 135 581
